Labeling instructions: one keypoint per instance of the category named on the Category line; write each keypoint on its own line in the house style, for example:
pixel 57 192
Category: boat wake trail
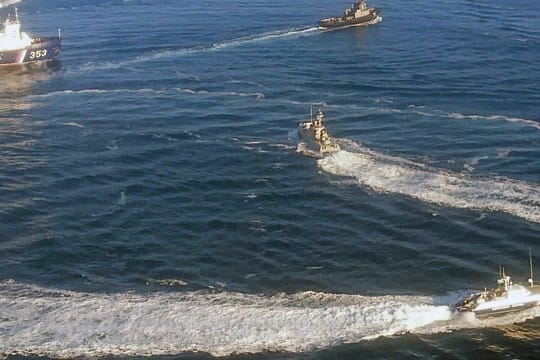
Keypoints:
pixel 279 34
pixel 400 176
pixel 150 91
pixel 65 324
pixel 167 54
pixel 420 110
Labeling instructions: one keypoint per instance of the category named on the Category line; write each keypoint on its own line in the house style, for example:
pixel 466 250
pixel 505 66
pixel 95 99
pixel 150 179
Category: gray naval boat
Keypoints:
pixel 314 133
pixel 358 14
pixel 507 297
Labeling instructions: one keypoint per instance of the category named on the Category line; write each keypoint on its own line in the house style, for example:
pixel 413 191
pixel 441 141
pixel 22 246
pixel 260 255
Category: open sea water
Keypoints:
pixel 153 200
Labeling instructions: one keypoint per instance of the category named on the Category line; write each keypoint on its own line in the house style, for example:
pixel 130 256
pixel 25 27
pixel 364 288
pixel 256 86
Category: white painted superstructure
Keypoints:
pixel 506 297
pixel 11 37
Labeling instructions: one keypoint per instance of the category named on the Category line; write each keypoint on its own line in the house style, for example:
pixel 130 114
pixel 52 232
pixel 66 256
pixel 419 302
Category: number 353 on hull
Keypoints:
pixel 17 47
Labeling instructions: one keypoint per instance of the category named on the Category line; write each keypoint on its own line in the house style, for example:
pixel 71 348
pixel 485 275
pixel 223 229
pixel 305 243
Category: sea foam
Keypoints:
pixel 66 324
pixel 445 188
pixel 4 3
pixel 63 324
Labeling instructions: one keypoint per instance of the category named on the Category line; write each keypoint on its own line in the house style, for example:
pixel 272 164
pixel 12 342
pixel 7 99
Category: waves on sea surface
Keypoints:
pixel 160 156
pixel 420 110
pixel 473 117
pixel 65 324
pixel 364 109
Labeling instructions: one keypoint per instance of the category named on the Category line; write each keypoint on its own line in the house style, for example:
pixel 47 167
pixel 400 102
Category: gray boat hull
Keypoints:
pixel 340 22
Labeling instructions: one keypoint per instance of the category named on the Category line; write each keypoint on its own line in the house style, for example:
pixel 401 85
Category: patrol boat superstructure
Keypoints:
pixel 17 47
pixel 505 298
pixel 358 14
pixel 314 133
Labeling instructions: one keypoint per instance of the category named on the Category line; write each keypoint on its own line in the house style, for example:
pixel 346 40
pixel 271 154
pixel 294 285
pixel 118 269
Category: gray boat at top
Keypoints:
pixel 358 14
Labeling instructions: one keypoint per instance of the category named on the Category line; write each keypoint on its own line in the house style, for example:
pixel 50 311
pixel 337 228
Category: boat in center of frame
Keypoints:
pixel 315 134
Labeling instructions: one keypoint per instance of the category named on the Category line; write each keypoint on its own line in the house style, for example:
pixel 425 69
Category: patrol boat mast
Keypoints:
pixel 505 298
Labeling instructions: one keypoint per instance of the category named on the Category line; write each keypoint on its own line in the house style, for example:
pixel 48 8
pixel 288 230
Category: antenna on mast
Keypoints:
pixel 531 279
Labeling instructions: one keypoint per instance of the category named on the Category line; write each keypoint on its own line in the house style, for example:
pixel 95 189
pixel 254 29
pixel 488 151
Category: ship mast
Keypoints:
pixel 531 279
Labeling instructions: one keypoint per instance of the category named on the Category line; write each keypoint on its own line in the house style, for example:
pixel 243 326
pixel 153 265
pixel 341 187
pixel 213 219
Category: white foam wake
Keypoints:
pixel 420 110
pixel 279 34
pixel 64 324
pixel 531 123
pixel 436 186
pixel 4 3
pixel 96 91
pixel 257 95
pixel 267 36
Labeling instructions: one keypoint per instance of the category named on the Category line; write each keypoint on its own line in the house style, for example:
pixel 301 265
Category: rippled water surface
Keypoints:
pixel 154 201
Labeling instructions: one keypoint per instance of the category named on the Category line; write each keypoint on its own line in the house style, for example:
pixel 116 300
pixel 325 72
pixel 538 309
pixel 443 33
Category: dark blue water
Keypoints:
pixel 153 201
